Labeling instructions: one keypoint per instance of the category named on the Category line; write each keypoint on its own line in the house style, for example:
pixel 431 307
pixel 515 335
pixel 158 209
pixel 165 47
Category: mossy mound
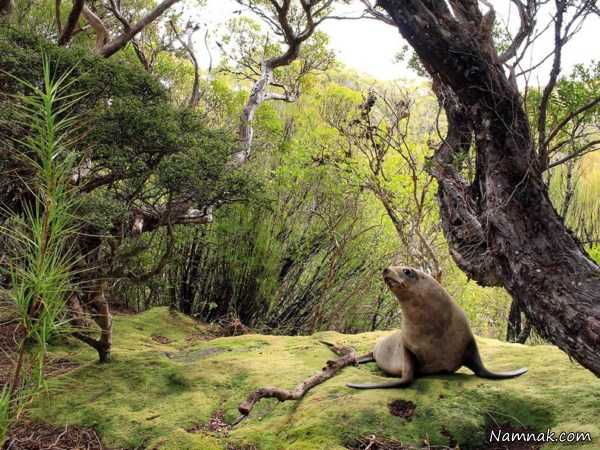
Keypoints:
pixel 168 382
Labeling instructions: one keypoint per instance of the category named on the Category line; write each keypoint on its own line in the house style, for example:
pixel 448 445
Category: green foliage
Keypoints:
pixel 144 150
pixel 5 412
pixel 41 263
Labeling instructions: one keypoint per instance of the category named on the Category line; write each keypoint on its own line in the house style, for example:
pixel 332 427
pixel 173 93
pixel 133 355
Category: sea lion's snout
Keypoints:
pixel 392 279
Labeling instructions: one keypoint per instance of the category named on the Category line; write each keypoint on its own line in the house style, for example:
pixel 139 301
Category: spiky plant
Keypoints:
pixel 41 264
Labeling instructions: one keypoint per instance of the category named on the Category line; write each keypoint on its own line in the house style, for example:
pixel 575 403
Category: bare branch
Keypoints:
pixel 293 40
pixel 348 358
pixel 571 116
pixel 174 213
pixel 289 98
pixel 98 26
pixel 115 9
pixel 587 148
pixel 562 33
pixel 378 15
pixel 67 32
pixel 57 4
pixel 118 43
pixel 527 17
pixel 189 48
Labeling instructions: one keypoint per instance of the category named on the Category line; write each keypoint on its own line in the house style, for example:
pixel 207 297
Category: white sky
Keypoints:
pixel 370 46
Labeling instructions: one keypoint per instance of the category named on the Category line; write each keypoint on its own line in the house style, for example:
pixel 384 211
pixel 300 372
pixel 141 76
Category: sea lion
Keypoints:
pixel 435 336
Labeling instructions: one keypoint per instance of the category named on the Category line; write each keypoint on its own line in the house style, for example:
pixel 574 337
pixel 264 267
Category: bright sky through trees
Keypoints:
pixel 370 46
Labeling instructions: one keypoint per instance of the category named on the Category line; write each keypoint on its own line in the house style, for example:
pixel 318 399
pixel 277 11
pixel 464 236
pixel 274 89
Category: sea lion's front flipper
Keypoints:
pixel 365 358
pixel 408 374
pixel 472 360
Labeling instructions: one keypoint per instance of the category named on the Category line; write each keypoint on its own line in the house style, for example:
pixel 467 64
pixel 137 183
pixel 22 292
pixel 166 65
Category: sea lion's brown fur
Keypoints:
pixel 435 336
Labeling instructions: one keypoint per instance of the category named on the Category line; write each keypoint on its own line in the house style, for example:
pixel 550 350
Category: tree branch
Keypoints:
pixel 177 213
pixel 587 148
pixel 348 358
pixel 98 26
pixel 189 48
pixel 554 72
pixel 259 94
pixel 527 17
pixel 118 43
pixel 571 116
pixel 57 4
pixel 67 32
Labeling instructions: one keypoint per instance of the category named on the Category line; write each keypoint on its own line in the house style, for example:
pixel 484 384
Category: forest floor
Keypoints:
pixel 173 385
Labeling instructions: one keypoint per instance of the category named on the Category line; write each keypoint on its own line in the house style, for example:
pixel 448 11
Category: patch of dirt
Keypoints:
pixel 453 443
pixel 402 408
pixel 373 442
pixel 516 445
pixel 211 331
pixel 161 339
pixel 225 327
pixel 10 336
pixel 58 366
pixel 119 309
pixel 241 447
pixel 194 355
pixel 27 435
pixel 216 424
pixel 199 336
pixel 233 326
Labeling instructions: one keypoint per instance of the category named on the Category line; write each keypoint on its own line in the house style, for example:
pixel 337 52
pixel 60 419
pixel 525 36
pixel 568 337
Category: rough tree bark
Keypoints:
pixel 502 228
pixel 67 32
pixel 6 7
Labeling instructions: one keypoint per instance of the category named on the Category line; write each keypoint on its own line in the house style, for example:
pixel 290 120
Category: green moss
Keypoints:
pixel 152 393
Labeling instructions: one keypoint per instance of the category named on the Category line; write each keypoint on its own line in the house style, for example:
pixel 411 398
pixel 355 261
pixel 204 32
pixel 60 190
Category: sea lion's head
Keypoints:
pixel 404 282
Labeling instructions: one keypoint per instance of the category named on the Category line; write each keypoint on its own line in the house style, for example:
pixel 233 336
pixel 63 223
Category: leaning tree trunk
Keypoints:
pixel 502 228
pixel 101 315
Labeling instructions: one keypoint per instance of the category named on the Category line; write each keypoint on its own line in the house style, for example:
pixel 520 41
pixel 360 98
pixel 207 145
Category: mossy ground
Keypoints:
pixel 153 392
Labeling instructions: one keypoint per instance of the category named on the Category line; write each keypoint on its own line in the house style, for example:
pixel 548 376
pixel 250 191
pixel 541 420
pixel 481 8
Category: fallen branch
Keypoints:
pixel 348 358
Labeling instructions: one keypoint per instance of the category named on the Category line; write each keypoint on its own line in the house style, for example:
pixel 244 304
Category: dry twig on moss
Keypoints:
pixel 347 357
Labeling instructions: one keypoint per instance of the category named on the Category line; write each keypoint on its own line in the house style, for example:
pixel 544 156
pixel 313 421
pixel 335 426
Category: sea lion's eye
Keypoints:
pixel 407 272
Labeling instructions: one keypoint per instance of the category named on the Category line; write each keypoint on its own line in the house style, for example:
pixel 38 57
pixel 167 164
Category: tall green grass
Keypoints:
pixel 583 216
pixel 41 234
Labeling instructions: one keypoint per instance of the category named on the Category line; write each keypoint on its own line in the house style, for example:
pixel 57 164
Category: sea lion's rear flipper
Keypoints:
pixel 408 373
pixel 365 358
pixel 394 384
pixel 472 360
